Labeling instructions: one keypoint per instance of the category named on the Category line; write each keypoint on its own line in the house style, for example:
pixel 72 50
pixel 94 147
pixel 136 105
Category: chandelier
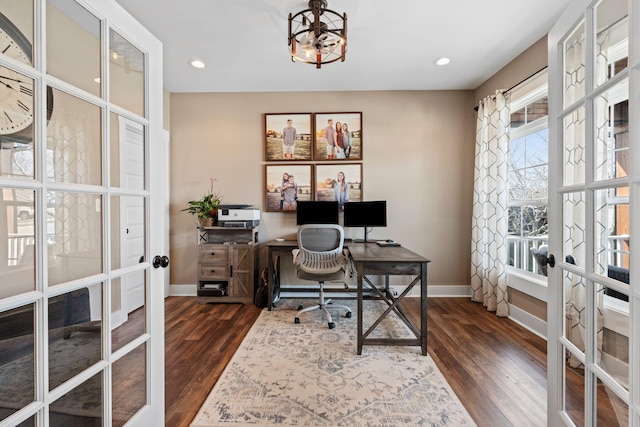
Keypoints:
pixel 317 35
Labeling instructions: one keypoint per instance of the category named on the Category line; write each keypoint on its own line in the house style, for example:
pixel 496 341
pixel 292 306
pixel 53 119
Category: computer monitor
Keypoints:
pixel 316 212
pixel 365 214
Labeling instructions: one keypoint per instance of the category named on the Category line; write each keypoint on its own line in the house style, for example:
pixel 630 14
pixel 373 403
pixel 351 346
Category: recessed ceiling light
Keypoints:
pixel 196 63
pixel 442 61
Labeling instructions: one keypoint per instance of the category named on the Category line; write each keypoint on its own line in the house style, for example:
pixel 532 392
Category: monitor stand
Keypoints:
pixel 365 240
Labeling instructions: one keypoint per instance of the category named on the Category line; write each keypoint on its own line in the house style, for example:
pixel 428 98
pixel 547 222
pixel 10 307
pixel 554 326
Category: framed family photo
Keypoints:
pixel 340 182
pixel 338 136
pixel 285 184
pixel 288 136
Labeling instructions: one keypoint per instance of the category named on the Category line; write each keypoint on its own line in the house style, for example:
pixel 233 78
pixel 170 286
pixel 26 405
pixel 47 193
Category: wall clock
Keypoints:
pixel 16 90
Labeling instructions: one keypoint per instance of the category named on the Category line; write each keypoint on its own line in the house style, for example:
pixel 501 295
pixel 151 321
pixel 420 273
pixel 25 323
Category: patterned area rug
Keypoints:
pixel 309 375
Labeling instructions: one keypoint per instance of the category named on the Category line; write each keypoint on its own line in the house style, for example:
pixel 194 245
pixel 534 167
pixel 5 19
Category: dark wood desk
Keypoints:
pixel 373 260
pixel 370 260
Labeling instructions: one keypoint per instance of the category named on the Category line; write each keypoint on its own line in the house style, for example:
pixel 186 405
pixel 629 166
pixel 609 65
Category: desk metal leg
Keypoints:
pixel 360 312
pixel 423 308
pixel 269 279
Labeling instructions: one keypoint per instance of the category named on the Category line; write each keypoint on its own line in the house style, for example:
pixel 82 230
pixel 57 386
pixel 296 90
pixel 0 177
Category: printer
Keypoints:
pixel 238 216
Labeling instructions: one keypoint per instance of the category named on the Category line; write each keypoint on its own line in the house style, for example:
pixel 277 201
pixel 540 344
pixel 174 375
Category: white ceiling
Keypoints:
pixel 392 45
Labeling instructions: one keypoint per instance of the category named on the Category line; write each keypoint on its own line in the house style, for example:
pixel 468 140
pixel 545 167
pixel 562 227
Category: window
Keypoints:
pixel 528 172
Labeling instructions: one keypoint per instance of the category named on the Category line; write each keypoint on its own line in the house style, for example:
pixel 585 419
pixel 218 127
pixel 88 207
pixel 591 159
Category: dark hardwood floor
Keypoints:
pixel 495 366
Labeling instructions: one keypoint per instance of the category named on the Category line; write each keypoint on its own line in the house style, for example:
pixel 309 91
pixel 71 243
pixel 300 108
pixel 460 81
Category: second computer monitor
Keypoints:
pixel 316 212
pixel 366 215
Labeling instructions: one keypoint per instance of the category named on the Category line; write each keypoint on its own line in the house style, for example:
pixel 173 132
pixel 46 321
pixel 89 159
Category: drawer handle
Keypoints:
pixel 213 253
pixel 213 271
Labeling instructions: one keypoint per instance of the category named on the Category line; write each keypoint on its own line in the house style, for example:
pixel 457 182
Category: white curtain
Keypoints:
pixel 490 211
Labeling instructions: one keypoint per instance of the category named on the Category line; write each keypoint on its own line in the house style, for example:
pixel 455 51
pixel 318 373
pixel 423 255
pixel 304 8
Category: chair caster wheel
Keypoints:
pixel 332 325
pixel 300 307
pixel 348 315
pixel 296 320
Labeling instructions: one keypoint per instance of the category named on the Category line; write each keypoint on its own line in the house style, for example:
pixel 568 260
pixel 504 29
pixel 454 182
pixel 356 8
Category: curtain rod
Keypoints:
pixel 519 83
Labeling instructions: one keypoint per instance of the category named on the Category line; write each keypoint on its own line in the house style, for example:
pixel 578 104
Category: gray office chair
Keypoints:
pixel 320 257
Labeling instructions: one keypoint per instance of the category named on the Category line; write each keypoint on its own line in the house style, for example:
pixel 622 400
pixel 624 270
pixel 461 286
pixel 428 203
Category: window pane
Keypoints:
pixel 517 153
pixel 74 141
pixel 517 185
pixel 76 236
pixel 536 183
pixel 17 241
pixel 538 110
pixel 612 40
pixel 517 118
pixel 126 74
pixel 574 66
pixel 537 148
pixel 73 45
pixel 74 333
pixel 17 365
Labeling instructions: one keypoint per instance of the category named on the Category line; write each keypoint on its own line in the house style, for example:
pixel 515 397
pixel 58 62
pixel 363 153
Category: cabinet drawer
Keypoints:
pixel 214 272
pixel 213 255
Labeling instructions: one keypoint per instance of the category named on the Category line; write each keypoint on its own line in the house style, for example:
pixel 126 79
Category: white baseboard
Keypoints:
pixel 436 291
pixel 528 321
pixel 182 291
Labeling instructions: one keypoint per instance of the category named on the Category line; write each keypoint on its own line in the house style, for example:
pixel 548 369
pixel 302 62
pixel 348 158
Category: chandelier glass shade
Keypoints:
pixel 317 35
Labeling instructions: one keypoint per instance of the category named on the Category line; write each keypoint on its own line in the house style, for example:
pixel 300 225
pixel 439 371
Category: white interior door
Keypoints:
pixel 132 230
pixel 594 291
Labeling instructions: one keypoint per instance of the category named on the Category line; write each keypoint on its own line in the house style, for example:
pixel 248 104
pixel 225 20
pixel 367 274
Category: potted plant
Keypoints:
pixel 205 208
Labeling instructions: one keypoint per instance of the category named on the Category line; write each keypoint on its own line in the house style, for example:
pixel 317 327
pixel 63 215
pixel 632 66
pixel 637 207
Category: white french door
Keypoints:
pixel 76 217
pixel 594 211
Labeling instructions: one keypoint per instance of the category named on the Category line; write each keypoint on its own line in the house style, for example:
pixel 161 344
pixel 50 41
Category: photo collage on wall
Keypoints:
pixel 312 156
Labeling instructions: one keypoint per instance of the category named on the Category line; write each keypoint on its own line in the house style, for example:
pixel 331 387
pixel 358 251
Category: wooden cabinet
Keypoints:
pixel 227 264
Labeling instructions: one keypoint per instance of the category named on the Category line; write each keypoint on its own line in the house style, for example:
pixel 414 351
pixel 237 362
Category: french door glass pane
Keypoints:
pixel 611 147
pixel 575 298
pixel 129 385
pixel 20 16
pixel 17 241
pixel 614 348
pixel 82 406
pixel 574 392
pixel 76 236
pixel 612 39
pixel 128 296
pixel 126 74
pixel 612 233
pixel 17 359
pixel 574 231
pixel 74 141
pixel 127 231
pixel 573 150
pixel 73 45
pixel 574 71
pixel 75 330
pixel 16 123
pixel 127 153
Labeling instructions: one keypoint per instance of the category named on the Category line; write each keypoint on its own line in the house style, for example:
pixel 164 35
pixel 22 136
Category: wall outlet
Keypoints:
pixel 394 291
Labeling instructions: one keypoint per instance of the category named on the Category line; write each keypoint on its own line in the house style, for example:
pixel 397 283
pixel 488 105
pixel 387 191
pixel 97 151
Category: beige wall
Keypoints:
pixel 418 155
pixel 529 62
